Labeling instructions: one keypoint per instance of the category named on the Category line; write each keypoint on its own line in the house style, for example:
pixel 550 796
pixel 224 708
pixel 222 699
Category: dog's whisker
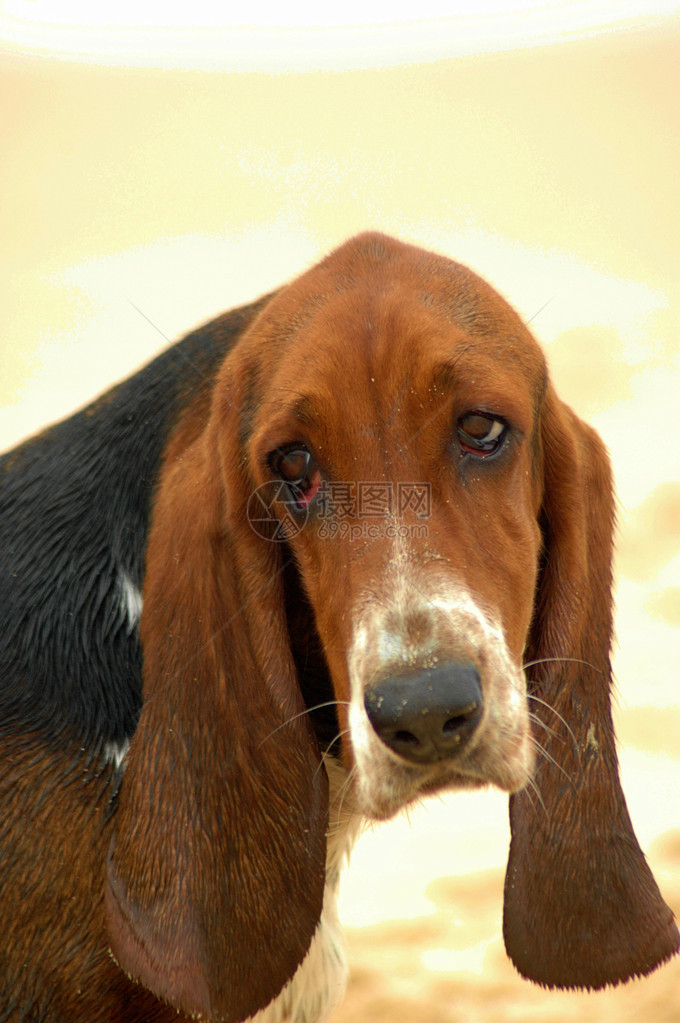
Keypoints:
pixel 303 713
pixel 532 787
pixel 542 752
pixel 327 751
pixel 560 718
pixel 536 720
pixel 345 789
pixel 560 660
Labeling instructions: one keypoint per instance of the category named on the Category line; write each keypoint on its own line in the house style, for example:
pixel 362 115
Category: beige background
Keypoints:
pixel 135 203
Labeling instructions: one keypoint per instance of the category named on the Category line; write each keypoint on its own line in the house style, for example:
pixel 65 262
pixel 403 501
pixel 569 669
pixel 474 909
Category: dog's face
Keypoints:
pixel 409 459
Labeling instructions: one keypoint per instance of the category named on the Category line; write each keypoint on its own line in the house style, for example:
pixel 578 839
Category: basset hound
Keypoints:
pixel 330 553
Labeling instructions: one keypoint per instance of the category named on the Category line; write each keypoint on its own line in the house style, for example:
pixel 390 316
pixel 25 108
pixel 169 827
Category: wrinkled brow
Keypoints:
pixel 448 374
pixel 305 409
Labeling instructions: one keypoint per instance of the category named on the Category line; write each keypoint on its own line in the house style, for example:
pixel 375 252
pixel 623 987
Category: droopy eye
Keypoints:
pixel 296 467
pixel 481 434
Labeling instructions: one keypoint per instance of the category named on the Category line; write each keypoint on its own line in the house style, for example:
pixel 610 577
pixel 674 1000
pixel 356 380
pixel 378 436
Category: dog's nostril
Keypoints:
pixel 454 724
pixel 406 738
pixel 427 717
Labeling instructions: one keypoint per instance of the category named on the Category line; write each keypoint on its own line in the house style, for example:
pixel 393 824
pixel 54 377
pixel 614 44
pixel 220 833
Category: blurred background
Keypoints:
pixel 155 172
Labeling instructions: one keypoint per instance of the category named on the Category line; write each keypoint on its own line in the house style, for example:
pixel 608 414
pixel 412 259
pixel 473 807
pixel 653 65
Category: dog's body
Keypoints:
pixel 181 677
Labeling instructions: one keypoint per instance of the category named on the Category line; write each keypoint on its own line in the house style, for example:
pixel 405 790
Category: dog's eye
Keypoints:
pixel 292 465
pixel 480 434
pixel 296 467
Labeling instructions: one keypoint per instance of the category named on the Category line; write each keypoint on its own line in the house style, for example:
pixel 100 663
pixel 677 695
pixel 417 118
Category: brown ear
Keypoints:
pixel 581 906
pixel 215 873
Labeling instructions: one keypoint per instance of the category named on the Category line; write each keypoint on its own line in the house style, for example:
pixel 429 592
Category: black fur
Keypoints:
pixel 75 503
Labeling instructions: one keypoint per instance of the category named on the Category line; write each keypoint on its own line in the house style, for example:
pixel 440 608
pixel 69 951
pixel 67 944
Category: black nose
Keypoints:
pixel 427 717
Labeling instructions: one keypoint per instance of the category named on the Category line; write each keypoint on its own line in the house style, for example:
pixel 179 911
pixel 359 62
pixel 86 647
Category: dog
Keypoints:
pixel 332 552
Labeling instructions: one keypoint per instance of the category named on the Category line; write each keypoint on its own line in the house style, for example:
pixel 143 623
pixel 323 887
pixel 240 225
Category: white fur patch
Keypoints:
pixel 115 753
pixel 131 600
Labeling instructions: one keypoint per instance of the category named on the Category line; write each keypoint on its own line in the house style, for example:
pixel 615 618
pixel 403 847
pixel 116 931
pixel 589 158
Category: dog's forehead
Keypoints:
pixel 377 308
pixel 372 267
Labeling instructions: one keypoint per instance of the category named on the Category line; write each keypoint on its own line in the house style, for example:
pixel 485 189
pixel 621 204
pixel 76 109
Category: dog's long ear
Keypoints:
pixel 581 906
pixel 215 872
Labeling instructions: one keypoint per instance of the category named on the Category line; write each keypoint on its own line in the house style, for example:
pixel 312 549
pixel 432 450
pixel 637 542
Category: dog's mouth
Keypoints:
pixel 385 803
